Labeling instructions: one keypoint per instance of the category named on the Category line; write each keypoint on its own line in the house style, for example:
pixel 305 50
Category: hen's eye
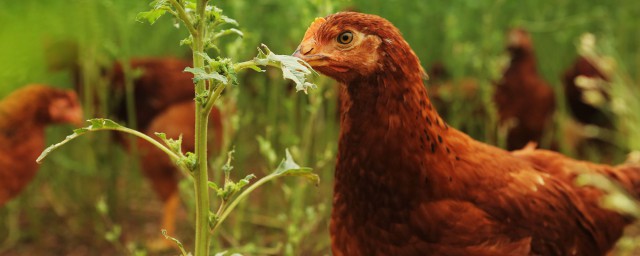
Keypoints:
pixel 345 38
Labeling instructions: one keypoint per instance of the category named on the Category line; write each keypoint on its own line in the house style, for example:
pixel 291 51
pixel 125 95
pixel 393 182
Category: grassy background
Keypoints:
pixel 56 214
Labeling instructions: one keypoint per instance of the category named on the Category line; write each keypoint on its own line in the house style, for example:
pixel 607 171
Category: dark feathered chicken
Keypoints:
pixel 408 184
pixel 24 114
pixel 525 102
pixel 160 84
pixel 582 111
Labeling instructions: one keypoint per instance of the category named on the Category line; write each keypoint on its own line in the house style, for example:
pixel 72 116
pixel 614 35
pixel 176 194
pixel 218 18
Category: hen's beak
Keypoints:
pixel 307 51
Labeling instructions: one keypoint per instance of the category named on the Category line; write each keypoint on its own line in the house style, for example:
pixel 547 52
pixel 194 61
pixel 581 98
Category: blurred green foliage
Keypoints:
pixel 56 213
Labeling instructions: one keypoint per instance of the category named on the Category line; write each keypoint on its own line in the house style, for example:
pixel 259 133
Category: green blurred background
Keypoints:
pixel 57 213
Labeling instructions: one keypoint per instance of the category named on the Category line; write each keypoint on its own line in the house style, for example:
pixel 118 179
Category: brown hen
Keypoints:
pixel 408 184
pixel 160 84
pixel 177 120
pixel 24 114
pixel 524 100
pixel 163 103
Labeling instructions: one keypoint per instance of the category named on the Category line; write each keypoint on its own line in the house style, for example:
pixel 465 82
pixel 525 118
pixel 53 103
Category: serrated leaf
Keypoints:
pixel 95 124
pixel 293 68
pixel 173 144
pixel 288 167
pixel 102 123
pixel 200 74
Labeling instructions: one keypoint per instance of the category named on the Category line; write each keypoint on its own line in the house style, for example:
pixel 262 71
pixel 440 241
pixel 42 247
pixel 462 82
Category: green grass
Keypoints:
pixel 56 213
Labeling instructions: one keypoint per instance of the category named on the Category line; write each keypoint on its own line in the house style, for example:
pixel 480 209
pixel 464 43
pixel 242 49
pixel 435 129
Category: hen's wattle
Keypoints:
pixel 407 184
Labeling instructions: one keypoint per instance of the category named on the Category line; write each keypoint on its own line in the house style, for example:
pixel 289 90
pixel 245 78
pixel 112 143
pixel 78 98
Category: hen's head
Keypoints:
pixel 64 107
pixel 349 46
pixel 518 39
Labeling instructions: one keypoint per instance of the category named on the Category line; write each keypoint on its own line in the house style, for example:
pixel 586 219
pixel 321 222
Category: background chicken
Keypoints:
pixel 459 97
pixel 24 114
pixel 157 84
pixel 524 100
pixel 408 184
pixel 163 97
pixel 586 90
pixel 581 110
pixel 177 120
pixel 162 102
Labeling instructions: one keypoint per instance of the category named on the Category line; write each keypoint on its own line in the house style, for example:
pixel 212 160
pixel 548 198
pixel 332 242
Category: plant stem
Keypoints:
pixel 184 17
pixel 200 173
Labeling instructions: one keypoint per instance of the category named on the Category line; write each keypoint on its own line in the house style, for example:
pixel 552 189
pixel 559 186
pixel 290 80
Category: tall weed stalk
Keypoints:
pixel 205 24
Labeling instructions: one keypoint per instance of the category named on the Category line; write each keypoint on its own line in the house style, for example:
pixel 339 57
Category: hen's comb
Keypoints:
pixel 313 27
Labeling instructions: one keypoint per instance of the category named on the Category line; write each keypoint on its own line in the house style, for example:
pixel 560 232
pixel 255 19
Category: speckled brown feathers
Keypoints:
pixel 23 117
pixel 408 184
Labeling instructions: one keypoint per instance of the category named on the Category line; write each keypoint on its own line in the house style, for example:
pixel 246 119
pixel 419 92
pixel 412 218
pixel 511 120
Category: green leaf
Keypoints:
pixel 293 68
pixel 174 145
pixel 166 236
pixel 213 185
pixel 200 74
pixel 158 8
pixel 113 234
pixel 228 20
pixel 96 124
pixel 226 32
pixel 189 160
pixel 102 207
pixel 243 182
pixel 150 16
pixel 288 167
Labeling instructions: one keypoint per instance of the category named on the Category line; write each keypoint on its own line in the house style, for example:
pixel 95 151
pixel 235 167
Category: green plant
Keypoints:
pixel 211 77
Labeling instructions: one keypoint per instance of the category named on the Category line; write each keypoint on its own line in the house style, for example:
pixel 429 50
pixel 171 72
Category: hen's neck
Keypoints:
pixel 391 136
pixel 522 60
pixel 20 118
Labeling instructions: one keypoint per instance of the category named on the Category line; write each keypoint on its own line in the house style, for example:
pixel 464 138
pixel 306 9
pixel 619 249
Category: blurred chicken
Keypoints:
pixel 525 102
pixel 178 119
pixel 586 90
pixel 408 184
pixel 24 114
pixel 455 98
pixel 160 83
pixel 163 103
pixel 582 110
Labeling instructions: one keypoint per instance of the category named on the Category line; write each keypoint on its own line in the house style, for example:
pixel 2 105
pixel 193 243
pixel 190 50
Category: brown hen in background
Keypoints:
pixel 524 100
pixel 24 114
pixel 177 120
pixel 408 184
pixel 160 83
pixel 581 110
pixel 163 102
